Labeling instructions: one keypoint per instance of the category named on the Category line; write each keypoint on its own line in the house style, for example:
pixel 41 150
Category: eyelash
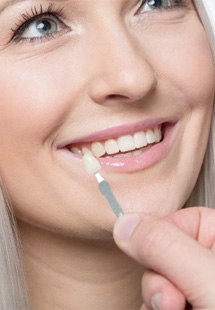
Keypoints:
pixel 35 13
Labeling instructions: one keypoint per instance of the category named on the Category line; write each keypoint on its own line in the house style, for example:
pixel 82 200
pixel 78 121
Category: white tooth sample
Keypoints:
pixel 140 139
pixel 91 164
pixel 111 147
pixel 150 136
pixel 76 150
pixel 97 149
pixel 126 143
pixel 157 133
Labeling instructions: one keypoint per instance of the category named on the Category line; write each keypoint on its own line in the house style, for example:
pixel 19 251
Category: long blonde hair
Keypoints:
pixel 13 292
pixel 203 193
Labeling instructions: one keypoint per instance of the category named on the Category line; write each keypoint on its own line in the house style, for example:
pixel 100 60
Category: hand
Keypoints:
pixel 178 254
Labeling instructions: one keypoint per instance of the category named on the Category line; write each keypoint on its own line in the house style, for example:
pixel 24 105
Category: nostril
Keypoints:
pixel 117 97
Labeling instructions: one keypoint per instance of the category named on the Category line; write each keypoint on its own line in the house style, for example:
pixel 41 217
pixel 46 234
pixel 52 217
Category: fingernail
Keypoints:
pixel 156 301
pixel 125 227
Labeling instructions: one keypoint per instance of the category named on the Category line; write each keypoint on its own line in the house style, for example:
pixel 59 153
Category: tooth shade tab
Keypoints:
pixel 91 163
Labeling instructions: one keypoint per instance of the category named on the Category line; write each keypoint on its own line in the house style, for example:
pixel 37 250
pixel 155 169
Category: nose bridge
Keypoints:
pixel 119 48
pixel 121 67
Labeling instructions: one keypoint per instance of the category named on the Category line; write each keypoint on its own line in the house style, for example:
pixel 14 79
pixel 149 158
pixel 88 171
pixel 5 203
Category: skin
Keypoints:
pixel 68 87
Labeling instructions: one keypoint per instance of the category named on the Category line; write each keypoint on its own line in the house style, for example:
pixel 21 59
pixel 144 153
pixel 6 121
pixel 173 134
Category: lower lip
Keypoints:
pixel 150 156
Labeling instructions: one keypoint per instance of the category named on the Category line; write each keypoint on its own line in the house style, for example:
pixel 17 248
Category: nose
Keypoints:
pixel 122 73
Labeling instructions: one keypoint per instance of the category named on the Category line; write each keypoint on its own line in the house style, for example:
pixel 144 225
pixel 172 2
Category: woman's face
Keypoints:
pixel 75 73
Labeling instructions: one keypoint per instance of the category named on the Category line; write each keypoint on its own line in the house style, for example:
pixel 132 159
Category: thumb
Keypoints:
pixel 172 251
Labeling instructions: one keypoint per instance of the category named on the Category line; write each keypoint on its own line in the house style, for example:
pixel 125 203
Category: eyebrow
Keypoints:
pixel 9 3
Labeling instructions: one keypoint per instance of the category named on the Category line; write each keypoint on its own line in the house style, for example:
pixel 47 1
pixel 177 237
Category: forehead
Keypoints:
pixel 7 3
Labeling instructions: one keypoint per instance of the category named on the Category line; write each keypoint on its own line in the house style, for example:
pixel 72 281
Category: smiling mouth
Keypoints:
pixel 124 146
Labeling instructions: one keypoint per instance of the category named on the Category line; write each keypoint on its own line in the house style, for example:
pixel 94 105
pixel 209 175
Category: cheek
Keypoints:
pixel 183 59
pixel 29 105
pixel 32 107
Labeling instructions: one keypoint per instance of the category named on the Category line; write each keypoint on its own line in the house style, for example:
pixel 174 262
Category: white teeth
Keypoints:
pixel 140 139
pixel 111 147
pixel 126 143
pixel 158 135
pixel 150 137
pixel 97 148
pixel 129 154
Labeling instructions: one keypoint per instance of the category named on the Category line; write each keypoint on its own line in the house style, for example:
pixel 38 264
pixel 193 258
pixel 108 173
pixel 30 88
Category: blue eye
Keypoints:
pixel 154 3
pixel 40 23
pixel 149 5
pixel 44 26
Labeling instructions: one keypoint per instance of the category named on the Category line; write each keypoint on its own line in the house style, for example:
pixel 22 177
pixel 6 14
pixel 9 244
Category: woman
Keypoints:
pixel 121 78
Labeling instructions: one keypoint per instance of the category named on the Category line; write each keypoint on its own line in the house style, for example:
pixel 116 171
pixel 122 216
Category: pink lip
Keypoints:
pixel 134 163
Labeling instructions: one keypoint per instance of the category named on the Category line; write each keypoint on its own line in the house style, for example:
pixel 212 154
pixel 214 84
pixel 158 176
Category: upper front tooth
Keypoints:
pixel 157 133
pixel 150 137
pixel 111 146
pixel 126 143
pixel 140 139
pixel 97 149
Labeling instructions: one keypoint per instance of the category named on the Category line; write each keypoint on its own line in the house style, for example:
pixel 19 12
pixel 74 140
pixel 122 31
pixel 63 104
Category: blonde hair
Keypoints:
pixel 203 193
pixel 13 294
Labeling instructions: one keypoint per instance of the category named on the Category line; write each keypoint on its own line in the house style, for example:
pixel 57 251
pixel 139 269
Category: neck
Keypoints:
pixel 66 273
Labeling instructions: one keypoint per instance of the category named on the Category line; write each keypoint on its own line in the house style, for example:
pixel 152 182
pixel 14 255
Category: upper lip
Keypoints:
pixel 117 131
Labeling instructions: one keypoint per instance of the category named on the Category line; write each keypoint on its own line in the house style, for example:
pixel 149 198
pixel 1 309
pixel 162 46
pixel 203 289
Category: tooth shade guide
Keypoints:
pixel 99 178
pixel 91 163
